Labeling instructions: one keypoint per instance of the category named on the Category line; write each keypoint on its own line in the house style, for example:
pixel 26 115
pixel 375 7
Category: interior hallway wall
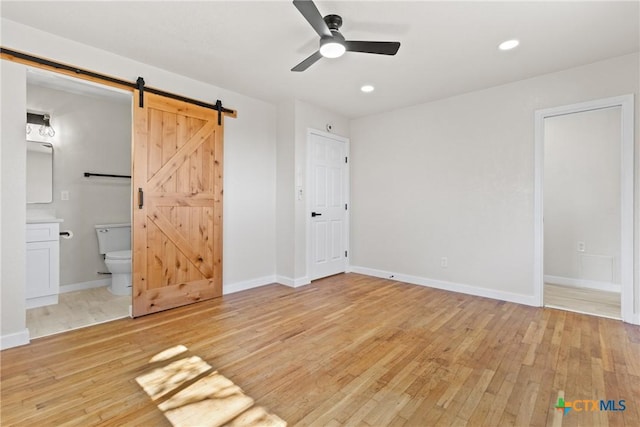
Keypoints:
pixel 285 193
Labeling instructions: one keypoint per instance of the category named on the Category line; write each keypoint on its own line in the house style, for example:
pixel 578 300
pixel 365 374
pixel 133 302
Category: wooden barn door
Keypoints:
pixel 177 206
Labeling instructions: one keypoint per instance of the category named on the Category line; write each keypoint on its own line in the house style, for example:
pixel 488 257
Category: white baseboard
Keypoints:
pixel 293 283
pixel 582 283
pixel 15 339
pixel 41 301
pixel 449 286
pixel 247 284
pixel 85 285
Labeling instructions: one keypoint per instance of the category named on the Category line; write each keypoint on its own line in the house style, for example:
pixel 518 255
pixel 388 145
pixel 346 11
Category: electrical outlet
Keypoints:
pixel 444 262
pixel 581 246
pixel 64 195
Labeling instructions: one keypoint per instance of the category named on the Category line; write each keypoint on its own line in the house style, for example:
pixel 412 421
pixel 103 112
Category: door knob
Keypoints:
pixel 315 214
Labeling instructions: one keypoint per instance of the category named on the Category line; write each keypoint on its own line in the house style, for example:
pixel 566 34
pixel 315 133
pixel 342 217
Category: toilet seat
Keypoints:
pixel 119 255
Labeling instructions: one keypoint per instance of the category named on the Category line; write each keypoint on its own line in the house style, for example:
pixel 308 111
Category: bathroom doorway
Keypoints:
pixel 92 126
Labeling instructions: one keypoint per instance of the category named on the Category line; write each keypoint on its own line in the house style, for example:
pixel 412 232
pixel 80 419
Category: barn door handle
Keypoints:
pixel 315 214
pixel 140 198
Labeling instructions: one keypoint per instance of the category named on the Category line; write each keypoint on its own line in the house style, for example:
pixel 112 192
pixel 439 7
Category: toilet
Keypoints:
pixel 114 242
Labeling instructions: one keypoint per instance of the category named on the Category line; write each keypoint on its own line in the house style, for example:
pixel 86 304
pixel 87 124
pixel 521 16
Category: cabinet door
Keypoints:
pixel 42 269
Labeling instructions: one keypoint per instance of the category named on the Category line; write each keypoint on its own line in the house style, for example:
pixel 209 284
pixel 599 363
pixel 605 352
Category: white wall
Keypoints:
pixel 93 134
pixel 249 193
pixel 582 197
pixel 285 192
pixel 13 205
pixel 454 178
pixel 249 171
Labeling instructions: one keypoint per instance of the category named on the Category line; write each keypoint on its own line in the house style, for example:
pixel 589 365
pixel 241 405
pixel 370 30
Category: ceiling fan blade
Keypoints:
pixel 381 48
pixel 307 62
pixel 310 12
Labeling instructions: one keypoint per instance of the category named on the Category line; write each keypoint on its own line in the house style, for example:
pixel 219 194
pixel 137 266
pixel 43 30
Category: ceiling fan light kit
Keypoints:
pixel 332 48
pixel 332 42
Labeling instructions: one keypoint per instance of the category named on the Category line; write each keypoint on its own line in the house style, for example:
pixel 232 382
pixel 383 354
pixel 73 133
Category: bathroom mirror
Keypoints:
pixel 39 172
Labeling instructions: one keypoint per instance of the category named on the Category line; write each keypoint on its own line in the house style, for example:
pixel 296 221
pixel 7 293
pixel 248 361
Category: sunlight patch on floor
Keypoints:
pixel 190 392
pixel 168 353
pixel 166 379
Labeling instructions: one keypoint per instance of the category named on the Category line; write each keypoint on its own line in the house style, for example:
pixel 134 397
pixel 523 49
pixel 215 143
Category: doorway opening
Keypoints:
pixel 584 208
pixel 93 134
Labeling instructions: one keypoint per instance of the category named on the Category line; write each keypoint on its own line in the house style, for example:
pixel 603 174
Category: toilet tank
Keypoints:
pixel 113 237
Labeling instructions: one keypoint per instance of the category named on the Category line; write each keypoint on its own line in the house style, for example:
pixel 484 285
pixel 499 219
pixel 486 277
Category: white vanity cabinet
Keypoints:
pixel 43 264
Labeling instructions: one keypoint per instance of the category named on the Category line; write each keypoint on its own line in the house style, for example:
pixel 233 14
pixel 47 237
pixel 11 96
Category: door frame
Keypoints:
pixel 347 196
pixel 104 85
pixel 628 295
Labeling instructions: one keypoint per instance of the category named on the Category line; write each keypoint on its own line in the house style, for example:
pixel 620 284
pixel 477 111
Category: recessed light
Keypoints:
pixel 367 88
pixel 508 45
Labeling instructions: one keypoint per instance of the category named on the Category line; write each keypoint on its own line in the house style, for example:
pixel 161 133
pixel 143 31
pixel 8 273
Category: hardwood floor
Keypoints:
pixel 76 310
pixel 583 300
pixel 346 350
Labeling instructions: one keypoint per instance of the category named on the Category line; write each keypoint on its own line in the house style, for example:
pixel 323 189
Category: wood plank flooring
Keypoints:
pixel 583 300
pixel 347 350
pixel 77 309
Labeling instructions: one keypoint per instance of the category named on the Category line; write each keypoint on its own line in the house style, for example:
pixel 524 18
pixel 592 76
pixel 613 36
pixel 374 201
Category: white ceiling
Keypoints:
pixel 249 47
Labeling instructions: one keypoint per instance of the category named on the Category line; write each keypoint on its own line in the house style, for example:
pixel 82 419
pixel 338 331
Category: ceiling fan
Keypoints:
pixel 332 43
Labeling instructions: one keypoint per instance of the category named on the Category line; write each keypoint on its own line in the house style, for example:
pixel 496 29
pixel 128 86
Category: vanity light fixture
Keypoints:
pixel 367 88
pixel 44 120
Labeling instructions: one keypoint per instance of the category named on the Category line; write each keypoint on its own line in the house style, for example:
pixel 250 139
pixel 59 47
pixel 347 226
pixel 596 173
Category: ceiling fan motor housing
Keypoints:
pixel 334 22
pixel 335 37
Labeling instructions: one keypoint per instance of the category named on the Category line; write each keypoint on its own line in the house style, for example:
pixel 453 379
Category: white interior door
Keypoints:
pixel 328 203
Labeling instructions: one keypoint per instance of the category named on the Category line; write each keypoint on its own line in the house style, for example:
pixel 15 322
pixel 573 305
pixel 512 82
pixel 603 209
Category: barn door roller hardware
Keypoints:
pixel 217 106
pixel 139 84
